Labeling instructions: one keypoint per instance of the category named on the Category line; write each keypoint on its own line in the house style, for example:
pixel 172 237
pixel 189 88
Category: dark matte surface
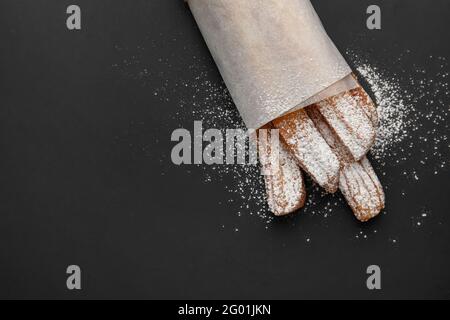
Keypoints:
pixel 78 188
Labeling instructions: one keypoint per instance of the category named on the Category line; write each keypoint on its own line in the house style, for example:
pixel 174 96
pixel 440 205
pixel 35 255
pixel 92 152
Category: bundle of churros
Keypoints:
pixel 328 140
pixel 285 73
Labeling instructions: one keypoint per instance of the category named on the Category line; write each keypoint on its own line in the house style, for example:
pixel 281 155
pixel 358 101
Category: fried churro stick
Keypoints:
pixel 351 116
pixel 358 182
pixel 283 178
pixel 309 148
pixel 362 189
pixel 364 100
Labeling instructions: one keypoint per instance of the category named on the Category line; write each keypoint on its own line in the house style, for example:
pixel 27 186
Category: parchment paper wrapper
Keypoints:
pixel 274 55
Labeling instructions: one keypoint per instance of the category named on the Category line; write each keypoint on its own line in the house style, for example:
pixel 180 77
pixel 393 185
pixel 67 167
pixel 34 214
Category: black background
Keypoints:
pixel 76 187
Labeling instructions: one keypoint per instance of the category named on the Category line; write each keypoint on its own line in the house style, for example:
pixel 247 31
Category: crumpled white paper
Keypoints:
pixel 274 55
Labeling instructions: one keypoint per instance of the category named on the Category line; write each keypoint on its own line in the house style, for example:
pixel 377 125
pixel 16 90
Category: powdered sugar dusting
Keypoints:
pixel 413 106
pixel 309 148
pixel 394 114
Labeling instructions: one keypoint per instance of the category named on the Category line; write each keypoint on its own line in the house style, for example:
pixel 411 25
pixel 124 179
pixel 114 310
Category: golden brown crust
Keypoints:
pixel 349 120
pixel 310 150
pixel 362 190
pixel 358 181
pixel 329 135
